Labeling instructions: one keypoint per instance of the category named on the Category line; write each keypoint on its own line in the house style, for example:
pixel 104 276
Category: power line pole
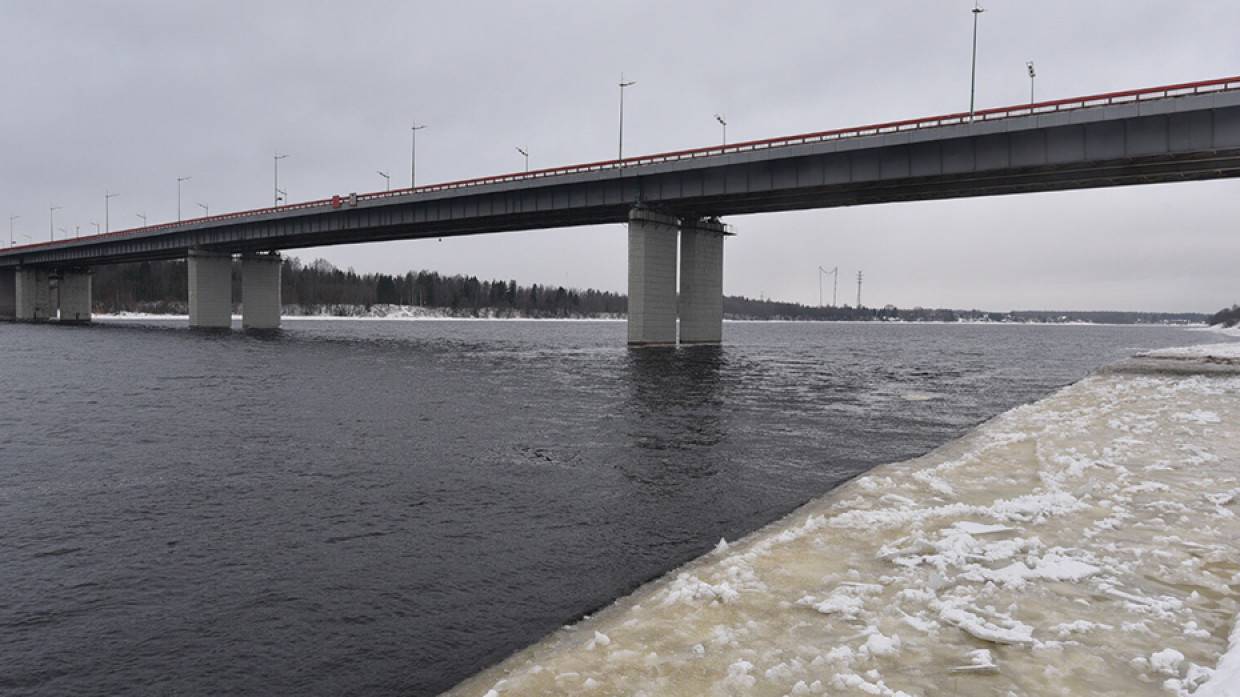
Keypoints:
pixel 413 153
pixel 977 10
pixel 623 84
pixel 51 221
pixel 278 192
pixel 835 284
pixel 1032 74
pixel 858 290
pixel 180 180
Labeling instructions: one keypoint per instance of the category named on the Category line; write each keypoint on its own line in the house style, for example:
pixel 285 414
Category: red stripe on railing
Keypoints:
pixel 1220 84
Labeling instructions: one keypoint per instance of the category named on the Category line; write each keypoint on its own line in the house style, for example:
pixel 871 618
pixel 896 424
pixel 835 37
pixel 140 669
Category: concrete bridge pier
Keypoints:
pixel 653 302
pixel 260 291
pixel 8 294
pixel 32 295
pixel 701 281
pixel 74 295
pixel 652 277
pixel 210 289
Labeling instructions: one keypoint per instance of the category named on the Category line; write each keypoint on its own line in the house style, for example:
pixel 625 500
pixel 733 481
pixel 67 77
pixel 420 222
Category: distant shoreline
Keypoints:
pixel 123 316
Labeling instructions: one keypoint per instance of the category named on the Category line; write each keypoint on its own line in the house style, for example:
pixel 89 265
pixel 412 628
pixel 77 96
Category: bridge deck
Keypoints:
pixel 1170 133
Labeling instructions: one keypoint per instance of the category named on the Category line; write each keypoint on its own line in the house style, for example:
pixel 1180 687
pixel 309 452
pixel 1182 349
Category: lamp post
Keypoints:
pixel 623 84
pixel 107 220
pixel 525 153
pixel 11 219
pixel 96 226
pixel 413 154
pixel 977 10
pixel 278 193
pixel 179 180
pixel 1032 74
pixel 387 179
pixel 51 221
pixel 206 212
pixel 724 123
pixel 143 217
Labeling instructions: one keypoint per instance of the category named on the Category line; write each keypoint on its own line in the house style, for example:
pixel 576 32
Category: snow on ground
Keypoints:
pixel 1230 350
pixel 374 313
pixel 1086 544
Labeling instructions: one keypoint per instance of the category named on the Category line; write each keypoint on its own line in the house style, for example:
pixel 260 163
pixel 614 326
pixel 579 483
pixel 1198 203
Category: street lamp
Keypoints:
pixel 525 153
pixel 977 10
pixel 723 122
pixel 623 84
pixel 51 221
pixel 11 219
pixel 387 178
pixel 413 155
pixel 1032 74
pixel 96 226
pixel 143 217
pixel 179 180
pixel 107 200
pixel 278 192
pixel 206 212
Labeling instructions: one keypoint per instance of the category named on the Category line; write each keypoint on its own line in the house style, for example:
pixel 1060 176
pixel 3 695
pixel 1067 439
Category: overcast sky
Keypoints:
pixel 126 96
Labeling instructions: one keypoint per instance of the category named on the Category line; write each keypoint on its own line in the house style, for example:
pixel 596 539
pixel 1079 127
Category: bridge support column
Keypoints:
pixel 652 277
pixel 75 296
pixel 210 290
pixel 32 295
pixel 260 291
pixel 701 282
pixel 8 294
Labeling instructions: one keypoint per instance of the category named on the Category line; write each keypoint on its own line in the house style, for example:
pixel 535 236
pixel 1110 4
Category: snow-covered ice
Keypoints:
pixel 1086 544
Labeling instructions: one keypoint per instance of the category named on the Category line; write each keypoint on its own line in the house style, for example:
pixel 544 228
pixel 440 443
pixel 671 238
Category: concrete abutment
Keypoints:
pixel 73 293
pixel 8 294
pixel 32 295
pixel 260 291
pixel 701 282
pixel 652 277
pixel 210 289
pixel 654 305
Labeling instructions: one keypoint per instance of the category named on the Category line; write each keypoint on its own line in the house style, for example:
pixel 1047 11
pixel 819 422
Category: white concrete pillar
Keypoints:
pixel 210 289
pixel 701 282
pixel 33 299
pixel 8 293
pixel 652 277
pixel 260 291
pixel 75 296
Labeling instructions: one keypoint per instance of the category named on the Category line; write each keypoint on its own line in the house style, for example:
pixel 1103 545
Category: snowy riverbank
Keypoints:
pixel 1085 544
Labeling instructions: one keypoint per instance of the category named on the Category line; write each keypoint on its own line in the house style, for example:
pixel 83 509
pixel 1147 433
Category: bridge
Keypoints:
pixel 672 201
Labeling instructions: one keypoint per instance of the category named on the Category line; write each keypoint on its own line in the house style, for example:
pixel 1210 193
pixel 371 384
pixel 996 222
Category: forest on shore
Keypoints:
pixel 319 288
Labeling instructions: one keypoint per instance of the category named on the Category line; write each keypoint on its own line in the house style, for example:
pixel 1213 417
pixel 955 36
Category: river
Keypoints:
pixel 386 507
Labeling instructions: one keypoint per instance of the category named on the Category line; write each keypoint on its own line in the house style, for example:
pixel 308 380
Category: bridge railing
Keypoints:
pixel 992 114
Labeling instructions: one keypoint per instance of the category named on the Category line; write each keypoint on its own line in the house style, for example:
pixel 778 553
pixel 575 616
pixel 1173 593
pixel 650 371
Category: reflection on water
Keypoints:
pixel 386 507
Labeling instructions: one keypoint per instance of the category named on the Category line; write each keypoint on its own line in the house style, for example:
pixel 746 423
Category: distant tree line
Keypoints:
pixel 1227 317
pixel 321 288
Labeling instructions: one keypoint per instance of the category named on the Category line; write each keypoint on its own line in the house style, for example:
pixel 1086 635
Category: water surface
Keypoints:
pixel 384 508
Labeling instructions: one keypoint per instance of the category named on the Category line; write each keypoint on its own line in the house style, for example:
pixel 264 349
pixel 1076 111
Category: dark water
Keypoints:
pixel 383 508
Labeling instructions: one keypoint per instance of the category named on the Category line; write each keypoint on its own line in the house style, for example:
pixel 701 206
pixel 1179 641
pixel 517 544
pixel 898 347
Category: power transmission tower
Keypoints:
pixel 835 284
pixel 858 290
